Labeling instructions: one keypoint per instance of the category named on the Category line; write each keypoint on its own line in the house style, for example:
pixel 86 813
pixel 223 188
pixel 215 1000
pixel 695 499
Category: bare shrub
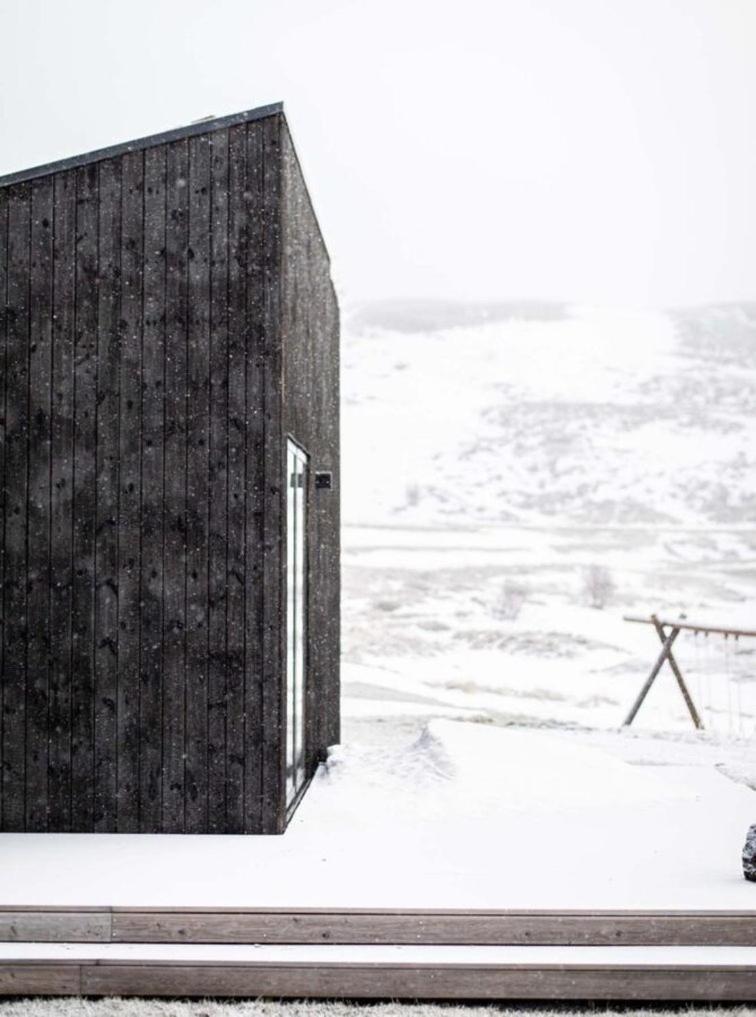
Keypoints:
pixel 511 599
pixel 412 495
pixel 598 586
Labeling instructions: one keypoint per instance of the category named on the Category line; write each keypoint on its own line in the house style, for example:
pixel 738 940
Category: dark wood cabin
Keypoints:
pixel 169 360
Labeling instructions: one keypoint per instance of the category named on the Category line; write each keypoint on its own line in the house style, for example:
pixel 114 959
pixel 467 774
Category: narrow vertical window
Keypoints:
pixel 296 619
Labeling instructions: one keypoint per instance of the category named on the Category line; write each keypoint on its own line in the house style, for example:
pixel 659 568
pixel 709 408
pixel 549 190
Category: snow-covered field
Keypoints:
pixel 516 479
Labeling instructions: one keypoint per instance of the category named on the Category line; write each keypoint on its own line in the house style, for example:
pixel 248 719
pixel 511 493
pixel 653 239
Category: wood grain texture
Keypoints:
pixel 15 605
pixel 129 521
pixel 310 343
pixel 175 493
pixel 40 979
pixel 152 492
pixel 4 201
pixel 470 929
pixel 61 505
pixel 264 146
pixel 217 491
pixel 243 653
pixel 308 926
pixel 263 473
pixel 385 981
pixel 107 482
pixel 38 574
pixel 54 927
pixel 84 507
pixel 198 391
pixel 143 427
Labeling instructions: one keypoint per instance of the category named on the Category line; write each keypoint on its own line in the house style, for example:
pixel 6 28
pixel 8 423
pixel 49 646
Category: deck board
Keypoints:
pixel 376 927
pixel 616 973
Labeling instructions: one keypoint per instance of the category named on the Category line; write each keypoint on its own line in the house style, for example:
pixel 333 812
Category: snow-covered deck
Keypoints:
pixel 470 862
pixel 467 817
pixel 394 972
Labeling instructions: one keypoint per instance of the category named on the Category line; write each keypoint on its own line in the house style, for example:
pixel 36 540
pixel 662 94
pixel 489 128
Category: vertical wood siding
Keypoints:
pixel 310 340
pixel 15 603
pixel 141 490
pixel 61 498
pixel 266 518
pixel 174 505
pixel 242 655
pixel 4 201
pixel 40 392
pixel 107 481
pixel 141 485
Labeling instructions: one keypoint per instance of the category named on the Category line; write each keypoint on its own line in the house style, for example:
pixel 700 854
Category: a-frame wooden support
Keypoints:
pixel 666 639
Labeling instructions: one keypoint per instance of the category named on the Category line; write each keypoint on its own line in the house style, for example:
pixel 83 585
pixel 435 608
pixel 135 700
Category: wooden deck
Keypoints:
pixel 494 973
pixel 377 927
pixel 487 955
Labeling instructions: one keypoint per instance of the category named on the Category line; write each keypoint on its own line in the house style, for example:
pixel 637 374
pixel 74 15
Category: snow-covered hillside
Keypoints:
pixel 578 415
pixel 497 459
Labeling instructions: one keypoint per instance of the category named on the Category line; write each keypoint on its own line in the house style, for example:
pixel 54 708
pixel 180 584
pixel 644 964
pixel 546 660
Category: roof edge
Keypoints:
pixel 139 144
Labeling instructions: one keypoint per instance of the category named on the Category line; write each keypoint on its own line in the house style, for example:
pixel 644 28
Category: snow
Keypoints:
pixel 600 415
pixel 189 953
pixel 462 816
pixel 488 466
pixel 520 452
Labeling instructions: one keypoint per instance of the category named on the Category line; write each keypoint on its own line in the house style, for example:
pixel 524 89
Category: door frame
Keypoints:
pixel 290 803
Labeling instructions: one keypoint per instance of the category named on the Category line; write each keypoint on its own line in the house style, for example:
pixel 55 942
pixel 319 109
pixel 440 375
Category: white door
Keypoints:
pixel 296 616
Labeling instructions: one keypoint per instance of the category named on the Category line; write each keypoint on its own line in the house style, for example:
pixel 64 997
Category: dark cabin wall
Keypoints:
pixel 310 337
pixel 140 363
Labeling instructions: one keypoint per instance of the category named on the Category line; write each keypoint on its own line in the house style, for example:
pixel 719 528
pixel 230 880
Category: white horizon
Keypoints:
pixel 553 150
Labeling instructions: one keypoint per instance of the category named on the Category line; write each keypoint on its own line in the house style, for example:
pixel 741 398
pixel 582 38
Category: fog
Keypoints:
pixel 524 149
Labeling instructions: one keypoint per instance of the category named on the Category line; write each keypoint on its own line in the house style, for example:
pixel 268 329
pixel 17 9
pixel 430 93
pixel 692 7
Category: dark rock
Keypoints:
pixel 749 855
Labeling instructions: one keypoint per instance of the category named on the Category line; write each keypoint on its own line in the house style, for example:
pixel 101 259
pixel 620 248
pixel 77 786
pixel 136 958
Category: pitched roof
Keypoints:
pixel 176 134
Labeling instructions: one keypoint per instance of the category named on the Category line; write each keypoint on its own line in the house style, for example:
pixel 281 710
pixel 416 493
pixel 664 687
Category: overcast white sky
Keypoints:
pixel 592 150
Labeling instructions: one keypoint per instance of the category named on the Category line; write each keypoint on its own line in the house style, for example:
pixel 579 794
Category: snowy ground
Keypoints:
pixel 493 463
pixel 417 813
pixel 210 1008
